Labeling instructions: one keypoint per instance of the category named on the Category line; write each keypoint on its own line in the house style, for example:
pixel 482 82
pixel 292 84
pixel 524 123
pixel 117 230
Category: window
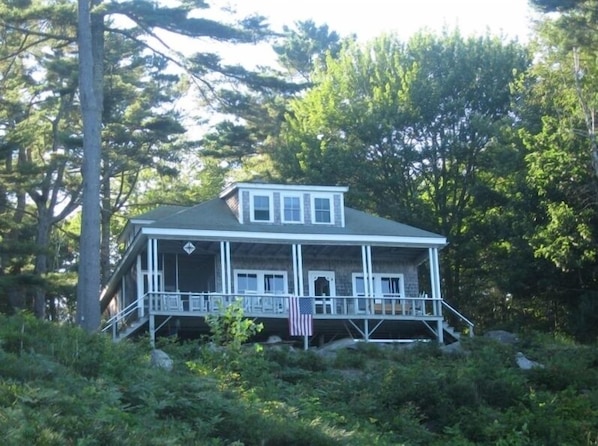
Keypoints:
pixel 247 283
pixel 274 284
pixel 261 282
pixel 322 212
pixel 261 208
pixel 385 285
pixel 291 209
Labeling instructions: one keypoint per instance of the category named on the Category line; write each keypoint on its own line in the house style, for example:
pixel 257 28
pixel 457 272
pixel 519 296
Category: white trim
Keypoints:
pixel 330 198
pixel 270 197
pixel 299 196
pixel 282 187
pixel 285 237
pixel 312 275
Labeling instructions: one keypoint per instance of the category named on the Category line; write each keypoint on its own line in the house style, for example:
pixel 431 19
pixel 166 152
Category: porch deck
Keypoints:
pixel 391 317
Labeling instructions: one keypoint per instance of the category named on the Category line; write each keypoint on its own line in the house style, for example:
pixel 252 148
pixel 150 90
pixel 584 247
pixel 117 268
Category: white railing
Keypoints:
pixel 121 319
pixel 470 325
pixel 277 305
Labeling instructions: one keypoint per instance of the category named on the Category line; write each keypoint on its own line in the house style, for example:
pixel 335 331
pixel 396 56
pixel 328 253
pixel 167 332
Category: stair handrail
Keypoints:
pixel 122 314
pixel 460 316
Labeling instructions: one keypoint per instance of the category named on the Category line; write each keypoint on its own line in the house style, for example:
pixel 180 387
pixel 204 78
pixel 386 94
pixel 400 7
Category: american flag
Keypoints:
pixel 301 318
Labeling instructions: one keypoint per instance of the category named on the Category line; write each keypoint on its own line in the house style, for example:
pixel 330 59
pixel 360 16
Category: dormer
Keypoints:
pixel 281 204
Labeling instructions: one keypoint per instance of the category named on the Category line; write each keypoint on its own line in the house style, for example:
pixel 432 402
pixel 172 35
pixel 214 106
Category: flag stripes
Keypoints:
pixel 301 316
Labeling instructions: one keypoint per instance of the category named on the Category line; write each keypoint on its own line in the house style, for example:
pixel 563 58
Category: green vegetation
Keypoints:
pixel 59 386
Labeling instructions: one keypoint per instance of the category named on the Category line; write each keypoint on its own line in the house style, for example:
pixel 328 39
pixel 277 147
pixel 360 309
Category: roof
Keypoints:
pixel 214 215
pixel 159 212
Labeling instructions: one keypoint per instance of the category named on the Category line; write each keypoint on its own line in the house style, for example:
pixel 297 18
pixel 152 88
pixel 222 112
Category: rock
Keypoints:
pixel 339 345
pixel 274 340
pixel 452 349
pixel 502 336
pixel 526 364
pixel 160 359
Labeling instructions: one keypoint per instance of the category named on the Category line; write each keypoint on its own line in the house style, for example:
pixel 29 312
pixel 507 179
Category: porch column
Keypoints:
pixel 140 288
pixel 435 280
pixel 225 267
pixel 368 283
pixel 229 268
pixel 298 289
pixel 153 285
pixel 435 285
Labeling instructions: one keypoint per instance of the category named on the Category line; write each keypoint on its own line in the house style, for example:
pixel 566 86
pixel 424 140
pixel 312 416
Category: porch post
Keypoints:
pixel 298 288
pixel 155 266
pixel 300 270
pixel 222 267
pixel 229 282
pixel 140 289
pixel 176 267
pixel 370 270
pixel 435 284
pixel 366 261
pixel 295 274
pixel 435 280
pixel 150 273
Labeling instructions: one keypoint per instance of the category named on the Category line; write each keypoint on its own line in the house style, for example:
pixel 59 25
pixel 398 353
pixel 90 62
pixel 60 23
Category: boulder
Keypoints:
pixel 345 343
pixel 526 364
pixel 161 359
pixel 274 339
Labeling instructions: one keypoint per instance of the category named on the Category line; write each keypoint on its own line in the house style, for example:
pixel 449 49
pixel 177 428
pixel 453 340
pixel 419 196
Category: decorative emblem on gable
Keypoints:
pixel 189 248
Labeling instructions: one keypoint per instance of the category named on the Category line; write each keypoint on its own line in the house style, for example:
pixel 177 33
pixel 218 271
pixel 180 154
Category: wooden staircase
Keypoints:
pixel 124 323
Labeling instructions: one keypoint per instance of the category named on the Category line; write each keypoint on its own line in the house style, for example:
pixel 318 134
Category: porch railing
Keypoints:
pixel 121 320
pixel 460 318
pixel 277 305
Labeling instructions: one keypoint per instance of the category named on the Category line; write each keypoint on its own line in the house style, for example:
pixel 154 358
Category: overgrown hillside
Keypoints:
pixel 59 386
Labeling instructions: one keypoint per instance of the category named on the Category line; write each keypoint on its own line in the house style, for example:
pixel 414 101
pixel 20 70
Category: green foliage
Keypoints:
pixel 230 328
pixel 59 385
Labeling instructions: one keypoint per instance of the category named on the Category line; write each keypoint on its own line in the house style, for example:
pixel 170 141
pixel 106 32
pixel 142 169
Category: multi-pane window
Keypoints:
pixel 390 286
pixel 385 285
pixel 274 284
pixel 247 283
pixel 291 209
pixel 261 282
pixel 261 208
pixel 322 212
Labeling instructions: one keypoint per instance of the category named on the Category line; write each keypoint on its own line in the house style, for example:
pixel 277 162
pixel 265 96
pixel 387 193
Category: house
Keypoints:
pixel 259 244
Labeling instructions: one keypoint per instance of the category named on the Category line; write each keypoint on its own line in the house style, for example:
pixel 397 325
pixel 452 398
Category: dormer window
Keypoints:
pixel 291 209
pixel 261 205
pixel 322 210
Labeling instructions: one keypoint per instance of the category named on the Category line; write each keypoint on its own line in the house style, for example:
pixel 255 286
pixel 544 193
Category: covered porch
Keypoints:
pixel 368 291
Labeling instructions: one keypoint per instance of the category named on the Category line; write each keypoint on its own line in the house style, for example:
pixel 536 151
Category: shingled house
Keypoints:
pixel 259 244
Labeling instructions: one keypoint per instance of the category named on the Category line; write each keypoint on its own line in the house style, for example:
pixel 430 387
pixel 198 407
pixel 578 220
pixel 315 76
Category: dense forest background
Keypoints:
pixel 487 141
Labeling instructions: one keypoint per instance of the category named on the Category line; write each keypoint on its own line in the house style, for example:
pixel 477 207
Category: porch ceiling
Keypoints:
pixel 211 248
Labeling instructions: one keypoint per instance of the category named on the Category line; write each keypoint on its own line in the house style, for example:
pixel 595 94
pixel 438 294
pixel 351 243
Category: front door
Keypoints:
pixel 322 288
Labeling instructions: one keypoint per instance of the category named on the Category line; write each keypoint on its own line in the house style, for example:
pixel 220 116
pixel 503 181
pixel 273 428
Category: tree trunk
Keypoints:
pixel 106 219
pixel 90 40
pixel 42 238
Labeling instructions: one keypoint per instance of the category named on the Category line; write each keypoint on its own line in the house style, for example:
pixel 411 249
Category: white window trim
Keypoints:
pixel 260 273
pixel 282 208
pixel 330 199
pixel 270 196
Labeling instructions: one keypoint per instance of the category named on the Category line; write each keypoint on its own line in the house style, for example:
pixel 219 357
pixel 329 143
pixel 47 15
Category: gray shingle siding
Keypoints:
pixel 342 267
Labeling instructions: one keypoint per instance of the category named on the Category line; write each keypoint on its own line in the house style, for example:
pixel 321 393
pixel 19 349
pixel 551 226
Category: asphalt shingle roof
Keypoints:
pixel 215 215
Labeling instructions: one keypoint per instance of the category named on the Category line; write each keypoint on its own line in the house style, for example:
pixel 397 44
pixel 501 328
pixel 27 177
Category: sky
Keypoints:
pixel 371 18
